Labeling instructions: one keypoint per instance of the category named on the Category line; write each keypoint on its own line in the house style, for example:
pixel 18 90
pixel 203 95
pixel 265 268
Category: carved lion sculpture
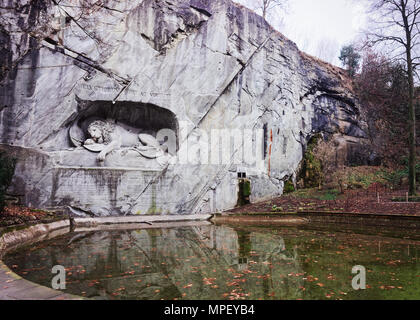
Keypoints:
pixel 106 137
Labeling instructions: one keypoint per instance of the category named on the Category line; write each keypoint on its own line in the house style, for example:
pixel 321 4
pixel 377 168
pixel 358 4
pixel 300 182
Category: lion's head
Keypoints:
pixel 100 131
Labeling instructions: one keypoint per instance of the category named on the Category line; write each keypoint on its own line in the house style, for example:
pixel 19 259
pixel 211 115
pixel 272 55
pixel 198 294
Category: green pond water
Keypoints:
pixel 227 262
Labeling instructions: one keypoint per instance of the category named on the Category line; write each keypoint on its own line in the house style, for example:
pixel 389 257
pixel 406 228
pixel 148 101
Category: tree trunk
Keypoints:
pixel 412 128
pixel 411 108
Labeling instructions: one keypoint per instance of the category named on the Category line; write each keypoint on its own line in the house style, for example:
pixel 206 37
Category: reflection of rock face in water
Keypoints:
pixel 199 262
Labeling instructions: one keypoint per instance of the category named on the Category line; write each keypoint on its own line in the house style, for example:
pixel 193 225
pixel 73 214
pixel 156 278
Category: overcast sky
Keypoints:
pixel 320 27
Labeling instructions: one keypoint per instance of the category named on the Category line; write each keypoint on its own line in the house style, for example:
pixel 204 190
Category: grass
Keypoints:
pixel 404 199
pixel 363 180
pixel 314 193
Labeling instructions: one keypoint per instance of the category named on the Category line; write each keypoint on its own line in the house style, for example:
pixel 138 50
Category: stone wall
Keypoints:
pixel 199 65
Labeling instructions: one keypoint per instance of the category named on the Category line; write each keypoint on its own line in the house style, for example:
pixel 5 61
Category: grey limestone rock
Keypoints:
pixel 173 72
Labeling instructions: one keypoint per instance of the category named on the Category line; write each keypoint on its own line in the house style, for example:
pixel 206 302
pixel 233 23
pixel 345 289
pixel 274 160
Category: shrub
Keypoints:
pixel 396 178
pixel 289 187
pixel 7 169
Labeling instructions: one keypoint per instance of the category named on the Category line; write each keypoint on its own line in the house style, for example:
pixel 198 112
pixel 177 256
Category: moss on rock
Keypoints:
pixel 310 174
pixel 244 192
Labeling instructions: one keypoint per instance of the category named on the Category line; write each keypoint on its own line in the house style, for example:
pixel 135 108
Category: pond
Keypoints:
pixel 226 262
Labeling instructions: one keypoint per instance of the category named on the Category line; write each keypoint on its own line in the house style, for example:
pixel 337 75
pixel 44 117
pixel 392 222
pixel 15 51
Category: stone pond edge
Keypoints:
pixel 305 217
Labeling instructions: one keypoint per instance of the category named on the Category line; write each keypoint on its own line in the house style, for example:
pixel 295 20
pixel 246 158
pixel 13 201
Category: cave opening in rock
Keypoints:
pixel 136 118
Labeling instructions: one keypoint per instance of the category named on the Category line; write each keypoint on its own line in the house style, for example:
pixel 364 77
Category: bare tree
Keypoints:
pixel 264 6
pixel 397 23
pixel 268 5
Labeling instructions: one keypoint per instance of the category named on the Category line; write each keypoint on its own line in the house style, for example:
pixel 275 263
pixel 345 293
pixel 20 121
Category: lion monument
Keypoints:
pixel 105 137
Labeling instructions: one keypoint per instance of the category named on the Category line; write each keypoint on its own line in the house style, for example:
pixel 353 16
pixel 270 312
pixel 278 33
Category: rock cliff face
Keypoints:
pixel 213 91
